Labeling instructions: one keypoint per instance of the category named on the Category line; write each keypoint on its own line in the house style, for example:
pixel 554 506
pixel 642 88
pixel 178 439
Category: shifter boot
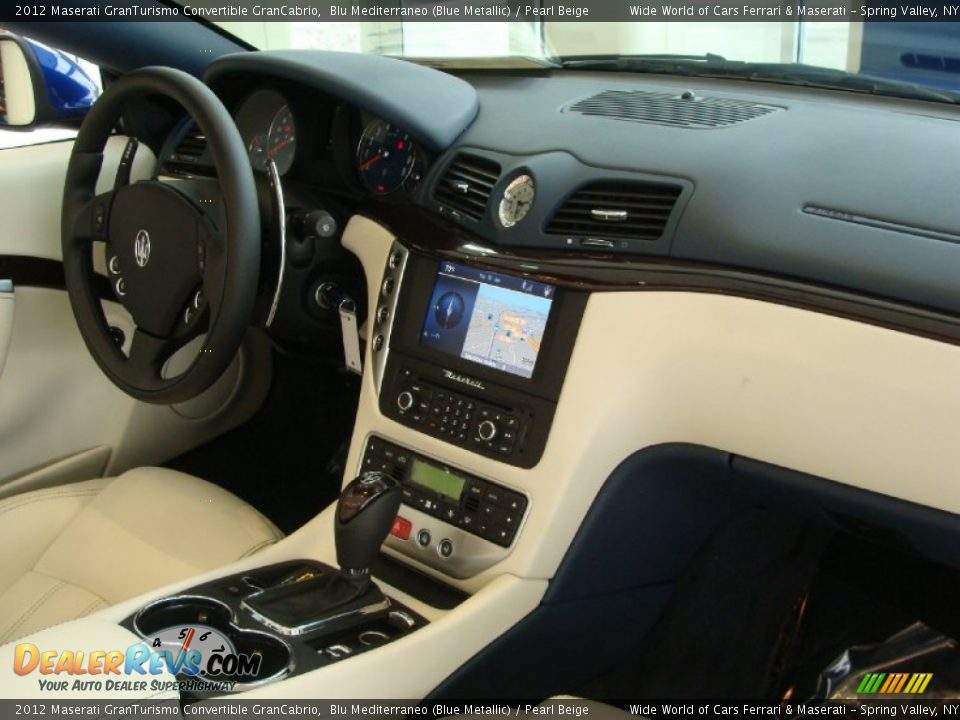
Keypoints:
pixel 328 601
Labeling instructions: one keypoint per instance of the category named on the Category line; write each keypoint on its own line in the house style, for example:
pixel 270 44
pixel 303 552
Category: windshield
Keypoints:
pixel 925 54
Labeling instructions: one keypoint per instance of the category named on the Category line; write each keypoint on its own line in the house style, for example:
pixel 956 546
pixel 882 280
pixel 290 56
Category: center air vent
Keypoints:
pixel 191 146
pixel 466 185
pixel 614 209
pixel 686 110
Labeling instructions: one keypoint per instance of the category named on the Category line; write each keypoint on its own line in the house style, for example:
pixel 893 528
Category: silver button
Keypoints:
pixel 445 548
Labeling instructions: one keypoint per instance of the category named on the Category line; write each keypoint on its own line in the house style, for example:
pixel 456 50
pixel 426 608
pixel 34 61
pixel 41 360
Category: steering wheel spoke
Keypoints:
pixel 149 353
pixel 195 318
pixel 212 261
pixel 92 221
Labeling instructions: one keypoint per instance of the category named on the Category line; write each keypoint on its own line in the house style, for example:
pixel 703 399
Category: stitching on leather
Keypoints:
pixel 260 545
pixel 90 608
pixel 43 498
pixel 67 489
pixel 269 527
pixel 9 635
pixel 97 599
pixel 60 494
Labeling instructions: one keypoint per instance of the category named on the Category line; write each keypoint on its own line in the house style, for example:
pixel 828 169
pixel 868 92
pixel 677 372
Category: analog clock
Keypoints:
pixel 516 201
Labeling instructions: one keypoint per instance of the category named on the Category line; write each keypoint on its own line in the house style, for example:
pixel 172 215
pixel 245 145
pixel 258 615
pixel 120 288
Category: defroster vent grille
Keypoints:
pixel 686 110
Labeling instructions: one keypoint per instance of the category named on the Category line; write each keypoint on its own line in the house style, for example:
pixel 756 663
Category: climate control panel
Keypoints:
pixel 449 519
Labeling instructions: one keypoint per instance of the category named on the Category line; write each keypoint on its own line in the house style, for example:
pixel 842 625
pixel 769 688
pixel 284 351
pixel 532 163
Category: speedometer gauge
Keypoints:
pixel 385 157
pixel 266 125
pixel 282 140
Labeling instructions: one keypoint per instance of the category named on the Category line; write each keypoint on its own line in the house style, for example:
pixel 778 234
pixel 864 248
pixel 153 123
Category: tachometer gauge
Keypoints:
pixel 282 140
pixel 385 157
pixel 257 151
pixel 266 125
pixel 517 200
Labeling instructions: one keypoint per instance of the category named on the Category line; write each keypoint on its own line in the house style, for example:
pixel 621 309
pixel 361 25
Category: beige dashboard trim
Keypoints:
pixel 861 405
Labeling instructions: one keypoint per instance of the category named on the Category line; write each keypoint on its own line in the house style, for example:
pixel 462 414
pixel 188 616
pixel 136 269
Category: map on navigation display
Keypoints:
pixel 506 329
pixel 488 318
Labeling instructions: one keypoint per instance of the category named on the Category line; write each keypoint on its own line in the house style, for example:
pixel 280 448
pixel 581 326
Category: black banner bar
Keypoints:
pixel 483 11
pixel 566 707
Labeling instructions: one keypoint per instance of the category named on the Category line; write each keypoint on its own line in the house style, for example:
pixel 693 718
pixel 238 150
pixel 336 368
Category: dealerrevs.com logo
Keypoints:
pixel 202 655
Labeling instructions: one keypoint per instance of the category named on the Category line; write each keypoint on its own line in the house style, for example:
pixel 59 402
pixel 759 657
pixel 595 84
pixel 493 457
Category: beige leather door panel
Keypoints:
pixel 61 420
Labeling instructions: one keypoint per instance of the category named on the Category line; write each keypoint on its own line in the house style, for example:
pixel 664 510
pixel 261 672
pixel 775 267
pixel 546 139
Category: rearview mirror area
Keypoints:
pixel 40 85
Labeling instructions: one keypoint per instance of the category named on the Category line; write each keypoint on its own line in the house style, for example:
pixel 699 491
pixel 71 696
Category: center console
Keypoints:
pixel 244 630
pixel 472 356
pixel 216 645
pixel 477 359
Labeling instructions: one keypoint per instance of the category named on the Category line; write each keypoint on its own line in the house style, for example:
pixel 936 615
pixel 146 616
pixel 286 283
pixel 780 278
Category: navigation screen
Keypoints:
pixel 488 318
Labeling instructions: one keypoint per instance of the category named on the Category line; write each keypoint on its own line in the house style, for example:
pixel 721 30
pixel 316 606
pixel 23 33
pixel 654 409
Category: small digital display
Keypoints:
pixel 436 479
pixel 488 318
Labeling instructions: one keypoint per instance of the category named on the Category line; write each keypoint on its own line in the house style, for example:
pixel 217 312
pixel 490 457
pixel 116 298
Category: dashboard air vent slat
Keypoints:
pixel 192 146
pixel 685 110
pixel 616 209
pixel 467 184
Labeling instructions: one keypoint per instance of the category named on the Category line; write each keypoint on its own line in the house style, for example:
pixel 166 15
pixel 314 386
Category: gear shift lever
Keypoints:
pixel 332 600
pixel 365 513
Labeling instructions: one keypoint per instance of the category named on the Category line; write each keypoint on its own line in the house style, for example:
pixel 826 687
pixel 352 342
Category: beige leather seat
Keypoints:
pixel 68 551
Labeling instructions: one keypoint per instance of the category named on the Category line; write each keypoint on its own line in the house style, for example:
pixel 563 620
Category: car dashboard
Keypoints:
pixel 596 314
pixel 553 266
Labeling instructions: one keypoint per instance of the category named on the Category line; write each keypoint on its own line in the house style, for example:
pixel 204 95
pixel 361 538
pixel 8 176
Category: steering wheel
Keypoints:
pixel 175 269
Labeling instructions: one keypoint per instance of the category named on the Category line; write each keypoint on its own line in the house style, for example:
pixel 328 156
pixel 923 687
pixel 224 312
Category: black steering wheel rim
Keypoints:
pixel 232 253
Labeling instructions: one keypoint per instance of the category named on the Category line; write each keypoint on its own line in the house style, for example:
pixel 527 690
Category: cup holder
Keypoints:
pixel 181 611
pixel 228 654
pixel 372 638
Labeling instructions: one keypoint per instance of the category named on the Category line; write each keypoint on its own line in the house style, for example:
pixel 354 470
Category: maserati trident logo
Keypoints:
pixel 463 379
pixel 141 248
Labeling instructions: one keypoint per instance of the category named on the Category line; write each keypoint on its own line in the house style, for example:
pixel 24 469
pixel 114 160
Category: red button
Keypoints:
pixel 401 528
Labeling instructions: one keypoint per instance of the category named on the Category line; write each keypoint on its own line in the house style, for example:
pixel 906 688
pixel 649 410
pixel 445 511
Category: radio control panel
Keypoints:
pixel 450 520
pixel 460 418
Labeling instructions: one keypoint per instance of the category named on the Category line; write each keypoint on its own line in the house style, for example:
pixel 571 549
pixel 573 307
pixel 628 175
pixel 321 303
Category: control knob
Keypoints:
pixel 487 430
pixel 405 400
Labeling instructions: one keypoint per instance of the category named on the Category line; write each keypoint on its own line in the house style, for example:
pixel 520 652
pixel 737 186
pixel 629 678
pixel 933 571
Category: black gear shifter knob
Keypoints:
pixel 365 513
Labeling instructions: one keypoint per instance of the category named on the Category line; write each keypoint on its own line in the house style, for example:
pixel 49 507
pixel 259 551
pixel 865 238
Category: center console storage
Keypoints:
pixel 216 644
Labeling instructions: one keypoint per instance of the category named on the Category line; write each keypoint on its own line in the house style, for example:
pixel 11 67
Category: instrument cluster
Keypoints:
pixel 268 129
pixel 387 158
pixel 370 154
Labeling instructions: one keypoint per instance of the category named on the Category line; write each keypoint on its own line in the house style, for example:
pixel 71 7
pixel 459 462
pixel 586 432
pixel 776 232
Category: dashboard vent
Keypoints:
pixel 191 146
pixel 467 184
pixel 614 209
pixel 686 110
